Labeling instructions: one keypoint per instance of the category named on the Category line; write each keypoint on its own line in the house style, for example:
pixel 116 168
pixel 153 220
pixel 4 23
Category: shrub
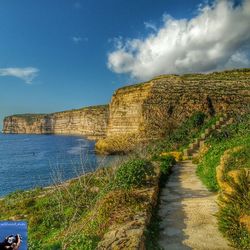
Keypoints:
pixel 166 163
pixel 133 173
pixel 177 155
pixel 198 119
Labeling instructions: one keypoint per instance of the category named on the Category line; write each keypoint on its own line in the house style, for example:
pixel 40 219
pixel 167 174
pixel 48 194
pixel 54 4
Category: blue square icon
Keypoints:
pixel 13 235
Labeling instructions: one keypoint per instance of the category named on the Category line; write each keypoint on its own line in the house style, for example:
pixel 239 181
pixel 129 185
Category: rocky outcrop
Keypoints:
pixel 90 122
pixel 148 110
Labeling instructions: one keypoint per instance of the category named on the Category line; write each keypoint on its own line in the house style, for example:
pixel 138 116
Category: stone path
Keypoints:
pixel 187 210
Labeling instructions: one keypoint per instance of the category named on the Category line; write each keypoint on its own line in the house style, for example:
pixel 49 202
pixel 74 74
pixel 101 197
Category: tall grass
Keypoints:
pixel 79 212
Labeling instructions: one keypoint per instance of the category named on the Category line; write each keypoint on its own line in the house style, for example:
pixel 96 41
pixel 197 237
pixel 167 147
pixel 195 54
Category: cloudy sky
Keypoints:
pixel 65 54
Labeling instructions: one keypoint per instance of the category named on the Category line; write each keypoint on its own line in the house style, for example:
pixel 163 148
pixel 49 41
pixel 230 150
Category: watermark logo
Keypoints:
pixel 13 235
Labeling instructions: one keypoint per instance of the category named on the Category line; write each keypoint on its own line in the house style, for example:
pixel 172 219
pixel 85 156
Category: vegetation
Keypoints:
pixel 83 209
pixel 80 212
pixel 184 135
pixel 153 231
pixel 133 173
pixel 230 147
pixel 167 162
pixel 234 214
pixel 162 152
pixel 238 134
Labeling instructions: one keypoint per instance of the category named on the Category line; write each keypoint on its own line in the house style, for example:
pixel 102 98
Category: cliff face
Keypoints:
pixel 126 109
pixel 152 108
pixel 90 122
pixel 148 109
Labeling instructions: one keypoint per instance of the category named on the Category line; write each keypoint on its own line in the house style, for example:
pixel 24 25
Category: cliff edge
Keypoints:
pixel 90 122
pixel 147 110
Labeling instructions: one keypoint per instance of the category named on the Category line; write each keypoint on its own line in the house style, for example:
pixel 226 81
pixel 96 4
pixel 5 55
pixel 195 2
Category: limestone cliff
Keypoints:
pixel 151 108
pixel 90 122
pixel 147 110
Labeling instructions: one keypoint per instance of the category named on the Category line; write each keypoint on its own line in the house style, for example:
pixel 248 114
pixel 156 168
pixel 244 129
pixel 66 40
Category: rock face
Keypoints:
pixel 152 108
pixel 90 122
pixel 148 109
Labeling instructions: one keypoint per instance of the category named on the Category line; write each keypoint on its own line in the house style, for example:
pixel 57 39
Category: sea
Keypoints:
pixel 30 161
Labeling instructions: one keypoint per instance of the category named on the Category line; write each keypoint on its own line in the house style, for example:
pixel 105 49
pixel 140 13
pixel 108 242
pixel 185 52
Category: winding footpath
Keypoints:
pixel 187 212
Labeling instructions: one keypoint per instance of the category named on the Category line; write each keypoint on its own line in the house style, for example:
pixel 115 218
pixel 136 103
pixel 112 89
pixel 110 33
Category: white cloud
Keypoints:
pixel 27 74
pixel 217 38
pixel 150 25
pixel 76 39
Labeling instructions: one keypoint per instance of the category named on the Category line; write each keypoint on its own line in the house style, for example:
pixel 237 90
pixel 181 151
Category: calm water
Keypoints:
pixel 28 161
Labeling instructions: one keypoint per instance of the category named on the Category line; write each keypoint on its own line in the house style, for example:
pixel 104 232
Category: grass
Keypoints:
pixel 81 211
pixel 234 206
pixel 153 231
pixel 232 136
pixel 181 137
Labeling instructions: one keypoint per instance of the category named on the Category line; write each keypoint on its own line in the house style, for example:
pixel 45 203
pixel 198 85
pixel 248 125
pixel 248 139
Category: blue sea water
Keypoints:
pixel 28 161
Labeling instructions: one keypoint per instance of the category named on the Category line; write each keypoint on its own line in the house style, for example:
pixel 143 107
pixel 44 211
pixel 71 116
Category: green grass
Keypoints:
pixel 232 136
pixel 133 173
pixel 153 231
pixel 79 212
pixel 234 205
pixel 181 137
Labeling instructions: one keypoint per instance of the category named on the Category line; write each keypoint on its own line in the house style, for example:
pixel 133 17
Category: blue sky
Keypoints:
pixel 65 54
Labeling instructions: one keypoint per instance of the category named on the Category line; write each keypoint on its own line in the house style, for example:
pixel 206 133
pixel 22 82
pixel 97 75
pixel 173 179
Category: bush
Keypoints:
pixel 166 163
pixel 133 173
pixel 177 155
pixel 198 119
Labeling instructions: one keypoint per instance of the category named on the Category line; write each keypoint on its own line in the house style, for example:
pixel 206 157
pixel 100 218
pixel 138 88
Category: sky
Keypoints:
pixel 65 54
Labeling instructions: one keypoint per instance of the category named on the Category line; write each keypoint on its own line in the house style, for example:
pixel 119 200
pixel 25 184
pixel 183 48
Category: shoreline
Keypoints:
pixel 63 183
pixel 47 188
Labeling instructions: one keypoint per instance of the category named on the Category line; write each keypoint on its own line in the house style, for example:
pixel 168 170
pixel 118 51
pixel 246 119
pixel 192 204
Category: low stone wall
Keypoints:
pixel 131 235
pixel 226 187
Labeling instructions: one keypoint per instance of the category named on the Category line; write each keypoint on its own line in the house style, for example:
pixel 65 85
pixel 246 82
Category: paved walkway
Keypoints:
pixel 187 210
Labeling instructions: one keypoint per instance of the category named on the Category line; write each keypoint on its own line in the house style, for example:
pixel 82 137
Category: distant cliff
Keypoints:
pixel 148 110
pixel 90 122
